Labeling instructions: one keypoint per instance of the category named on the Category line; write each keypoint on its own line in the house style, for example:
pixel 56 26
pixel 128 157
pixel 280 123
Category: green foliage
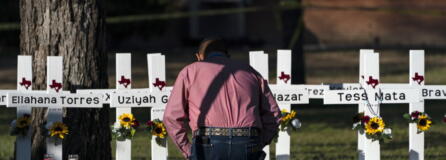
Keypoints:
pixel 123 133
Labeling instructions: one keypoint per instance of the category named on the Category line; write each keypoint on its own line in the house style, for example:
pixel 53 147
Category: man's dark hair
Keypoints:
pixel 208 46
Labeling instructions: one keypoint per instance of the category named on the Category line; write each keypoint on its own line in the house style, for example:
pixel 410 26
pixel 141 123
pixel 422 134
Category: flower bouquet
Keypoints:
pixel 374 127
pixel 423 120
pixel 289 121
pixel 126 128
pixel 156 128
pixel 57 131
pixel 20 126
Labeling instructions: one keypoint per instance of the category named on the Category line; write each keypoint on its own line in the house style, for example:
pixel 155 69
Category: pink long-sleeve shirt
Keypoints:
pixel 220 92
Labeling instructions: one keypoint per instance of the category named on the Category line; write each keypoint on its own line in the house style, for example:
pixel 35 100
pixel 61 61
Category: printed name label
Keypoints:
pixel 289 95
pixel 139 99
pixel 29 99
pixel 433 92
pixel 374 96
pixel 315 91
pixel 108 92
pixel 3 96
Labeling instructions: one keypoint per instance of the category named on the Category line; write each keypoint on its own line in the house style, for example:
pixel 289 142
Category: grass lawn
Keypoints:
pixel 326 131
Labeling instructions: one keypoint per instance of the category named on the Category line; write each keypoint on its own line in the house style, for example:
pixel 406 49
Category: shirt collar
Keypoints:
pixel 215 54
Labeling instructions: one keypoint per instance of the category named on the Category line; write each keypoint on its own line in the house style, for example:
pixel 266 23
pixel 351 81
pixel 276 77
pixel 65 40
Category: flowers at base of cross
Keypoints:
pixel 423 121
pixel 20 126
pixel 57 131
pixel 125 128
pixel 373 127
pixel 289 120
pixel 156 128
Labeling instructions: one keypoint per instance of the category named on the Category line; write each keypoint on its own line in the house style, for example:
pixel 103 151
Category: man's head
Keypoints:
pixel 209 46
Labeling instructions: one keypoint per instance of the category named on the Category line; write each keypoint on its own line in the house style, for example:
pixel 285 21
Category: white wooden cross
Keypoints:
pixel 369 98
pixel 416 140
pixel 54 98
pixel 123 82
pixel 434 92
pixel 24 78
pixel 156 97
pixel 285 93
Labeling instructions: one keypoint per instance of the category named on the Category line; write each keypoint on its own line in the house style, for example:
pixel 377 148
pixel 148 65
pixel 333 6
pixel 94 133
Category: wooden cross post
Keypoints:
pixel 416 140
pixel 123 82
pixel 283 79
pixel 156 66
pixel 24 79
pixel 54 85
pixel 369 98
pixel 284 93
pixel 361 106
pixel 155 96
pixel 433 92
pixel 259 61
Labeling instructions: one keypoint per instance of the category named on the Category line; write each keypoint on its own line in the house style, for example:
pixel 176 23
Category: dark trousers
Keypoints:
pixel 226 148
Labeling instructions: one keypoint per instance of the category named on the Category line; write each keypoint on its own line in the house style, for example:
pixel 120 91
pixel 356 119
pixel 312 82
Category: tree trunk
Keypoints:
pixel 75 30
pixel 293 31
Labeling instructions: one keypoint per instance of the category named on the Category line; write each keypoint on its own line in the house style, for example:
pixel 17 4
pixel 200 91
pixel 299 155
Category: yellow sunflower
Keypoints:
pixel 284 111
pixel 126 119
pixel 374 126
pixel 159 130
pixel 292 114
pixel 58 129
pixel 23 122
pixel 424 123
pixel 288 115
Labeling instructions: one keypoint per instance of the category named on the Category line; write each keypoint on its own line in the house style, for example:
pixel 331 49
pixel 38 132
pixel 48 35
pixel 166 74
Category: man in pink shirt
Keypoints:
pixel 228 106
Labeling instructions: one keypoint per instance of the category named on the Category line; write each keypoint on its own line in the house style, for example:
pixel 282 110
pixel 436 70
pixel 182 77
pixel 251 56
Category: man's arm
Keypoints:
pixel 176 112
pixel 269 112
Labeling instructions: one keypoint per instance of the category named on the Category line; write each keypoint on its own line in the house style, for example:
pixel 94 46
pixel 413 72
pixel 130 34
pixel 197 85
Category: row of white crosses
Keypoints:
pixel 54 98
pixel 123 97
pixel 369 86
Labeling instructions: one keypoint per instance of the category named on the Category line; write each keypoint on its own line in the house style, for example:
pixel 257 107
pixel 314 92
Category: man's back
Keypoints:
pixel 223 93
pixel 228 104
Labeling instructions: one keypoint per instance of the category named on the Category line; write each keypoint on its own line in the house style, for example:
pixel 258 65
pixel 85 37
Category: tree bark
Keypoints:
pixel 73 29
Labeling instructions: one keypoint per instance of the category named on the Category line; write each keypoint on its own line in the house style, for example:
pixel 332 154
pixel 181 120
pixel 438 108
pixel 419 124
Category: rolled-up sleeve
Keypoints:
pixel 269 112
pixel 176 112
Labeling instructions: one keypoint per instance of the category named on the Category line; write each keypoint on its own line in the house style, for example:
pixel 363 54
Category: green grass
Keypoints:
pixel 325 134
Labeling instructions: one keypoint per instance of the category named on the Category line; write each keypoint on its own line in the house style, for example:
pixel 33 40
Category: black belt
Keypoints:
pixel 212 131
